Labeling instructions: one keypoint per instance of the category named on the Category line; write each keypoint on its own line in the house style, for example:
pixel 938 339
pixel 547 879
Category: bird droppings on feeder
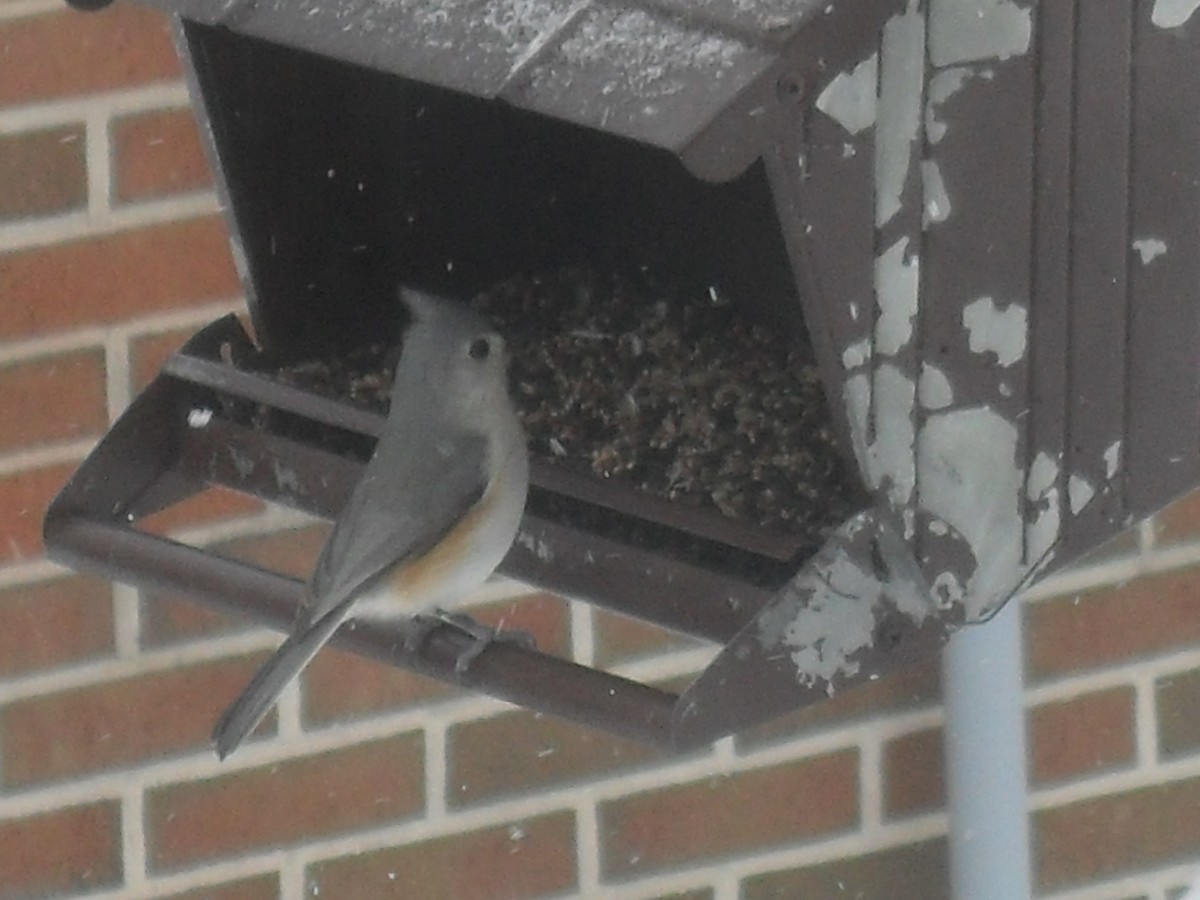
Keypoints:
pixel 636 381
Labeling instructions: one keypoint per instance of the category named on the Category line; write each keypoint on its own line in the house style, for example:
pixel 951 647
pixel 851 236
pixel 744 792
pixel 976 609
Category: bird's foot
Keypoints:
pixel 482 635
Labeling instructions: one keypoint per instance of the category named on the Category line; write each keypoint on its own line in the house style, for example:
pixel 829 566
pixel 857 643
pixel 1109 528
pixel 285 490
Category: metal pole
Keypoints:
pixel 986 761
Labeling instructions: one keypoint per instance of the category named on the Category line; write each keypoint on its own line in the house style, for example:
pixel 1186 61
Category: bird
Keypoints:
pixel 436 509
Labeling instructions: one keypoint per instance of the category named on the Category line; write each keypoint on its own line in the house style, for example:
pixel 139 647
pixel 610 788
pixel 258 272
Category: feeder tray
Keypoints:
pixel 1003 327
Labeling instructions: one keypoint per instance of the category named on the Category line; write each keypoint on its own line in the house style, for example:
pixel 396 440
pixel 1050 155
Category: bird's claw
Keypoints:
pixel 482 635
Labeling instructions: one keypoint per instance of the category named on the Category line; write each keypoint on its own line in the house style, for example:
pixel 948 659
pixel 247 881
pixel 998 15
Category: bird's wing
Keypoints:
pixel 412 493
pixel 409 497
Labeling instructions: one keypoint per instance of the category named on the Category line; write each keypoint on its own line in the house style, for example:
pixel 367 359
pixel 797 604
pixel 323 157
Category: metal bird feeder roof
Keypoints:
pixel 980 218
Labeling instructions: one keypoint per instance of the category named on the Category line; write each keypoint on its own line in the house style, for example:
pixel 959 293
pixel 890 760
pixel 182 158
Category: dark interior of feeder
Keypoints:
pixel 348 182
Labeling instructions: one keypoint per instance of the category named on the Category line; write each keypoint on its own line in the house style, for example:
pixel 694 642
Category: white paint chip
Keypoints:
pixel 934 390
pixel 995 330
pixel 856 355
pixel 1112 459
pixel 1149 249
pixel 974 30
pixel 850 98
pixel 1173 13
pixel 897 286
pixel 1079 492
pixel 901 85
pixel 937 201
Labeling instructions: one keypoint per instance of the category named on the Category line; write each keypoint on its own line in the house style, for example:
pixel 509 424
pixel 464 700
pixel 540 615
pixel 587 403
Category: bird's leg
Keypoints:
pixel 482 635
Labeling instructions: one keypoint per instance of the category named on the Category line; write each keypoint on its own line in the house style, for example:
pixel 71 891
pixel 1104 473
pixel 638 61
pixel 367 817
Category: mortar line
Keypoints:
pixel 127 626
pixel 22 9
pixel 117 374
pixel 1145 722
pixel 43 233
pixel 437 782
pixel 292 878
pixel 133 837
pixel 98 157
pixel 587 844
pixel 52 111
pixel 871 787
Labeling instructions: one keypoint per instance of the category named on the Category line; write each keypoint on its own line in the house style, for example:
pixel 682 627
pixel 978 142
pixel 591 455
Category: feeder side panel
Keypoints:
pixel 1098 344
pixel 1161 460
pixel 973 450
pixel 1051 270
pixel 888 440
pixel 821 178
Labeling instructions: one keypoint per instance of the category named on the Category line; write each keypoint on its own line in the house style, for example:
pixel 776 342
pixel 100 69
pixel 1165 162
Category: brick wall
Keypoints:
pixel 370 782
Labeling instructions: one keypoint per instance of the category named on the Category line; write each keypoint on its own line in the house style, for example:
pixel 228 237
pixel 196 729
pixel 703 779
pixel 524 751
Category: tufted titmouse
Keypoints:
pixel 435 511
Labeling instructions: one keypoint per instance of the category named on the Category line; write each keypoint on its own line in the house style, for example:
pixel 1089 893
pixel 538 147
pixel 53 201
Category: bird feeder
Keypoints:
pixel 974 223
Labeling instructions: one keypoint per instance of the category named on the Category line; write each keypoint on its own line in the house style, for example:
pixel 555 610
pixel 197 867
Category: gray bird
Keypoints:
pixel 435 512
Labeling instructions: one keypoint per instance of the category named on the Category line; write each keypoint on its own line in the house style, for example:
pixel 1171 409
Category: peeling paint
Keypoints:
pixel 972 479
pixel 1173 13
pixel 829 613
pixel 994 330
pixel 897 287
pixel 856 397
pixel 1044 515
pixel 934 390
pixel 902 82
pixel 1149 249
pixel 891 456
pixel 1112 459
pixel 850 98
pixel 857 355
pixel 975 30
pixel 1079 492
pixel 937 202
pixel 942 86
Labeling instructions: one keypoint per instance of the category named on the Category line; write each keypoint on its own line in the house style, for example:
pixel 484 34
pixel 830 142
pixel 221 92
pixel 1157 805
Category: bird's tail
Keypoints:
pixel 268 682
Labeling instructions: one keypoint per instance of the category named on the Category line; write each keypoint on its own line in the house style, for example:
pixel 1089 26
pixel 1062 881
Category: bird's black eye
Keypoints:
pixel 480 348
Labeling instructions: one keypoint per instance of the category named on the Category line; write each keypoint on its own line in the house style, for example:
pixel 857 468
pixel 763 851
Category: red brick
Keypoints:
pixel 339 686
pixel 1178 699
pixel 169 618
pixel 540 753
pixel 24 497
pixel 53 623
pixel 910 872
pixel 620 638
pixel 65 53
pixel 729 814
pixel 525 859
pixel 1098 838
pixel 115 277
pixel 53 398
pixel 265 887
pixel 1083 735
pixel 914 686
pixel 544 616
pixel 42 172
pixel 118 723
pixel 1153 614
pixel 913 774
pixel 149 353
pixel 61 851
pixel 1180 521
pixel 158 154
pixel 287 802
pixel 212 504
pixel 292 551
